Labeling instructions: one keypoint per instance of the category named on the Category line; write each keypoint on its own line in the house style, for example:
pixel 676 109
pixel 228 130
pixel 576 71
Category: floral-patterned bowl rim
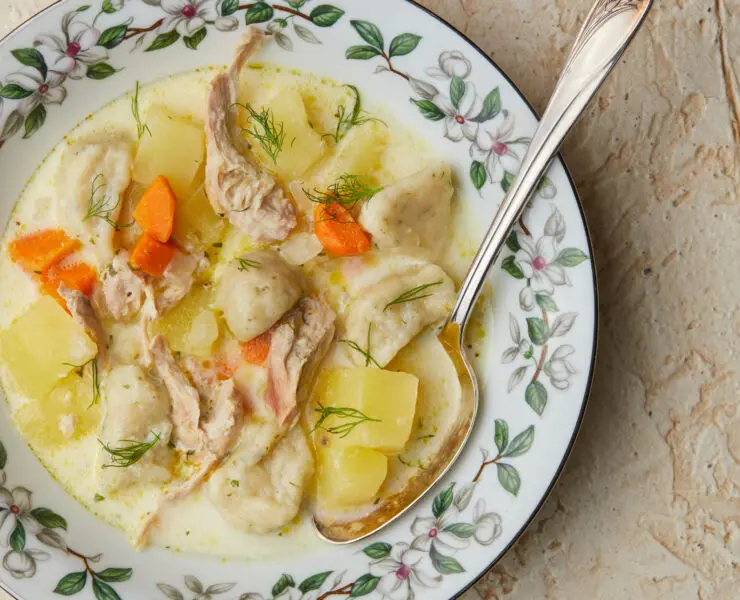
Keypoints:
pixel 75 56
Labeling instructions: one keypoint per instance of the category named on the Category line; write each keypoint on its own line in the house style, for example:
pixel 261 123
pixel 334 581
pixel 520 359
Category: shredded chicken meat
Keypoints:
pixel 298 345
pixel 84 315
pixel 123 291
pixel 184 399
pixel 221 408
pixel 237 185
pixel 206 419
pixel 178 278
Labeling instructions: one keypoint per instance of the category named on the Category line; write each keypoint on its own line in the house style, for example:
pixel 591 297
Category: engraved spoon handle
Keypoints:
pixel 606 32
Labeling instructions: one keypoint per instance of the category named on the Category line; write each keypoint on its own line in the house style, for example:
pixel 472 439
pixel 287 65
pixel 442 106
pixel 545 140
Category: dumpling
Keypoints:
pixel 93 175
pixel 389 325
pixel 135 409
pixel 412 213
pixel 255 291
pixel 263 497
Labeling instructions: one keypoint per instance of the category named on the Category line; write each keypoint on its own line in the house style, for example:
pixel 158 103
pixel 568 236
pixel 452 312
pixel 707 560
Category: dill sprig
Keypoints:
pixel 102 207
pixel 244 264
pixel 269 133
pixel 80 370
pixel 332 212
pixel 141 127
pixel 412 294
pixel 347 119
pixel 128 452
pixel 403 461
pixel 352 416
pixel 348 190
pixel 364 351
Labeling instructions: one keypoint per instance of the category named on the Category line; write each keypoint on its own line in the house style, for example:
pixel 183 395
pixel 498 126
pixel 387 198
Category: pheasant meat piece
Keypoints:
pixel 298 345
pixel 236 184
pixel 123 291
pixel 178 278
pixel 84 315
pixel 184 398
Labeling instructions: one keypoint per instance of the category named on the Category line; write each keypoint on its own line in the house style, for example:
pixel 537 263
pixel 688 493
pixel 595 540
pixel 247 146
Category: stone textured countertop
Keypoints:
pixel 649 504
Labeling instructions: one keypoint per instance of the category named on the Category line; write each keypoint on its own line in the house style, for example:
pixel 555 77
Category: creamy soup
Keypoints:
pixel 239 273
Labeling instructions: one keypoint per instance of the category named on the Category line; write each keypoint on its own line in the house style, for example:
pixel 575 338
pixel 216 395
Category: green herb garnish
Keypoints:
pixel 244 264
pixel 403 461
pixel 364 351
pixel 80 370
pixel 103 207
pixel 348 190
pixel 266 131
pixel 353 416
pixel 141 127
pixel 412 294
pixel 128 452
pixel 347 119
pixel 98 498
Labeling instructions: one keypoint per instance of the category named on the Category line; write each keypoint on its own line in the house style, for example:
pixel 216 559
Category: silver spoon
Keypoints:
pixel 606 32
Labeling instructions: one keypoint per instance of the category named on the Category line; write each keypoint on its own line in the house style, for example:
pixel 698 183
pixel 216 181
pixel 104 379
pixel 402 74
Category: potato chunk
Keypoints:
pixel 385 396
pixel 177 324
pixel 203 334
pixel 66 414
pixel 358 153
pixel 350 475
pixel 302 146
pixel 43 346
pixel 175 149
pixel 196 224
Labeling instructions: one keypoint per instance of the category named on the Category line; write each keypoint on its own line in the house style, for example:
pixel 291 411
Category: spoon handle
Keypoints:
pixel 606 32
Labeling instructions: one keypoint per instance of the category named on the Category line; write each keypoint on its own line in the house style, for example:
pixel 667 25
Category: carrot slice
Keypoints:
pixel 256 350
pixel 78 276
pixel 151 255
pixel 36 252
pixel 224 370
pixel 155 212
pixel 338 232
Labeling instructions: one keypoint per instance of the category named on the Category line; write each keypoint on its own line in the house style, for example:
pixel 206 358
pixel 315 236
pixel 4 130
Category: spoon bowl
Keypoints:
pixel 392 507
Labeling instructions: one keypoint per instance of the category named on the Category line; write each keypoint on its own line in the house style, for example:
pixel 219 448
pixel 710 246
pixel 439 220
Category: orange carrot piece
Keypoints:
pixel 36 252
pixel 338 232
pixel 255 351
pixel 224 370
pixel 50 288
pixel 155 212
pixel 78 276
pixel 151 255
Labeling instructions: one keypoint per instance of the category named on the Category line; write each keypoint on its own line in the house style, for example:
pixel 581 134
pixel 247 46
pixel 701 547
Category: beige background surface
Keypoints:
pixel 649 504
